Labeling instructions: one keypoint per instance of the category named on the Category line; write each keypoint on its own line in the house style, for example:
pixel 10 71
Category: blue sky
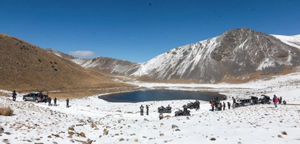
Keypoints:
pixel 139 30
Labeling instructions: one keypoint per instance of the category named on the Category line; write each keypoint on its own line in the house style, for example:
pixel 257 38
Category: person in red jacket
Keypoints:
pixel 275 101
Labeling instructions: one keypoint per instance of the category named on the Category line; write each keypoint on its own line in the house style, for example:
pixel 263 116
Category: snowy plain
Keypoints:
pixel 108 123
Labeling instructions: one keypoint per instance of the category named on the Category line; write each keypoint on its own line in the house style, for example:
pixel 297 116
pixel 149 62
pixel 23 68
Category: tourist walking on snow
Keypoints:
pixel 228 104
pixel 67 103
pixel 55 100
pixel 224 106
pixel 275 101
pixel 142 110
pixel 147 109
pixel 14 95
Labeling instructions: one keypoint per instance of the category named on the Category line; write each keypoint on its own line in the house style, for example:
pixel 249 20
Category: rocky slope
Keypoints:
pixel 235 53
pixel 24 66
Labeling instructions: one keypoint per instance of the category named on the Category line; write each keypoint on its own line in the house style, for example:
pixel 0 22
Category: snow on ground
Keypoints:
pixel 105 122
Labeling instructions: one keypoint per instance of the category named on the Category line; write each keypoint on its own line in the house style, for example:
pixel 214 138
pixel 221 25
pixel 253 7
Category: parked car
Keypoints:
pixel 40 96
pixel 264 99
pixel 254 99
pixel 243 102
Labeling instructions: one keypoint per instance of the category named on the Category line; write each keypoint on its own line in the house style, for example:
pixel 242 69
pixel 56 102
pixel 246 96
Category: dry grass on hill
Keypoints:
pixel 6 111
pixel 26 67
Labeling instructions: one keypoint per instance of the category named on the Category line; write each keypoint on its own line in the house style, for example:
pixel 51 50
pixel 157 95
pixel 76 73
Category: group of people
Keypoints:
pixel 142 109
pixel 277 101
pixel 55 102
pixel 219 105
pixel 49 101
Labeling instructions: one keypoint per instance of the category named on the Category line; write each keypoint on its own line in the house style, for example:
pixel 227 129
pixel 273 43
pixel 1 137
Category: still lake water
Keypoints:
pixel 160 95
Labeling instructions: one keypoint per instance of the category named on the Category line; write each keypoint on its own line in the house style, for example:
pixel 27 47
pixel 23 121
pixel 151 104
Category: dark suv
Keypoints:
pixel 243 102
pixel 264 99
pixel 40 96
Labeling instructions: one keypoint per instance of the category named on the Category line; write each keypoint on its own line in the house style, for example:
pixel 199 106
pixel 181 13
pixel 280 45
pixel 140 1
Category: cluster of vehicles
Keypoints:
pixel 263 99
pixel 184 112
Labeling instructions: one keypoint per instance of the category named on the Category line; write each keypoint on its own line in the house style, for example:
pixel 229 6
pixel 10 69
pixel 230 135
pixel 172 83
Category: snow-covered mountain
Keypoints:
pixel 111 65
pixel 235 53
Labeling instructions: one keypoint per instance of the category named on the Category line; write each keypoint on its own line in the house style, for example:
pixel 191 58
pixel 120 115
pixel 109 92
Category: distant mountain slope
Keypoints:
pixel 238 52
pixel 24 66
pixel 110 65
pixel 237 55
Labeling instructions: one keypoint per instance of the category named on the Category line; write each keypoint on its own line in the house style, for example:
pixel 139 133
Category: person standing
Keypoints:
pixel 280 100
pixel 49 100
pixel 55 100
pixel 233 103
pixel 212 106
pixel 197 103
pixel 184 109
pixel 224 106
pixel 275 101
pixel 67 102
pixel 228 104
pixel 147 109
pixel 14 95
pixel 142 110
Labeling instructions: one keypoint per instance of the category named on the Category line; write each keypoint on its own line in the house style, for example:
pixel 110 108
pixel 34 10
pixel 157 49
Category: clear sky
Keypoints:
pixel 139 30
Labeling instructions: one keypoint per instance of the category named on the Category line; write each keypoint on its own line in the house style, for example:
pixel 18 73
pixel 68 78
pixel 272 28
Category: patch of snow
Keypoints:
pixel 293 41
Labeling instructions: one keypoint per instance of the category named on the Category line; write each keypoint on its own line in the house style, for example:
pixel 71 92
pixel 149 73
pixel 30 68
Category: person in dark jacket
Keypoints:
pixel 55 100
pixel 49 100
pixel 228 104
pixel 147 109
pixel 184 109
pixel 142 110
pixel 14 95
pixel 280 100
pixel 197 103
pixel 233 102
pixel 67 102
pixel 224 106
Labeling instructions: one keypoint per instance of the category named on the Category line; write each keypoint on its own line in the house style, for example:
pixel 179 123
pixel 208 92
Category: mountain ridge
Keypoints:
pixel 24 66
pixel 240 54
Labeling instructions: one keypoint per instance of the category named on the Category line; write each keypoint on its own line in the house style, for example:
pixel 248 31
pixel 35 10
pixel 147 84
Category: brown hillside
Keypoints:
pixel 24 66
